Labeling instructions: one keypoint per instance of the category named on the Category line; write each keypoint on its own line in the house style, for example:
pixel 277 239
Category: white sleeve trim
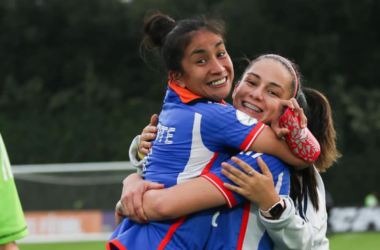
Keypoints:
pixel 133 153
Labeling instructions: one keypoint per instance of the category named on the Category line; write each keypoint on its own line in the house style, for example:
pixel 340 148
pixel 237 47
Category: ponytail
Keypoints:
pixel 320 123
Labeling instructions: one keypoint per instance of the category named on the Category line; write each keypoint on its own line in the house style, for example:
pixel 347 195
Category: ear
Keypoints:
pixel 176 76
pixel 235 89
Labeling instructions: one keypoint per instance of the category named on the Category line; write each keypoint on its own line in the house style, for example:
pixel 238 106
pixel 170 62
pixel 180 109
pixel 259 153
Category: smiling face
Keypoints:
pixel 208 70
pixel 264 84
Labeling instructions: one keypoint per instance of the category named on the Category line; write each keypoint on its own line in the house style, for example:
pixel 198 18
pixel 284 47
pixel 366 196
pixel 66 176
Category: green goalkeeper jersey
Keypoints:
pixel 12 220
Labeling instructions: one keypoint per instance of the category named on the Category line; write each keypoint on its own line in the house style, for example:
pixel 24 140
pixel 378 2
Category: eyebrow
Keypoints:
pixel 271 83
pixel 200 51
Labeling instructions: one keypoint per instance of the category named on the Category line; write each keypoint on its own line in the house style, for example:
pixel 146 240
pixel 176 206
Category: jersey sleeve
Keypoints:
pixel 228 127
pixel 290 231
pixel 279 170
pixel 12 221
pixel 133 148
pixel 300 226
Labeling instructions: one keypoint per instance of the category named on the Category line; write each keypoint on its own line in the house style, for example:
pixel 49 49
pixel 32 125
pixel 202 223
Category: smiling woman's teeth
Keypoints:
pixel 250 106
pixel 221 81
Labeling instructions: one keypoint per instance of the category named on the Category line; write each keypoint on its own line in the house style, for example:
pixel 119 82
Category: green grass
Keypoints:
pixel 91 245
pixel 355 241
pixel 351 241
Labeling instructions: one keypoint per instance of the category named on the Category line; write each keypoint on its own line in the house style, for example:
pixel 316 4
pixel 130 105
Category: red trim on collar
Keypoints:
pixel 186 95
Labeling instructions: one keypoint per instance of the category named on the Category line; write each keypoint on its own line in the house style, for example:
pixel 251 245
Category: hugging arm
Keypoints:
pixel 290 230
pixel 157 204
pixel 182 199
pixel 267 142
pixel 300 148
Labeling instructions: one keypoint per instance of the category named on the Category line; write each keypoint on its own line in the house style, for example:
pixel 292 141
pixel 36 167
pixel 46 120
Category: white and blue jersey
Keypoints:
pixel 218 228
pixel 239 227
pixel 193 133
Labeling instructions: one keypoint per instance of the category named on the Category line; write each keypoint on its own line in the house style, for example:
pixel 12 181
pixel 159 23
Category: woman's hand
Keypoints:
pixel 257 188
pixel 148 135
pixel 298 112
pixel 119 214
pixel 134 188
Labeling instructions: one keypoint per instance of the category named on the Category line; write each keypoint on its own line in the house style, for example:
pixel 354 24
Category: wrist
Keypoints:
pixel 274 212
pixel 140 156
pixel 269 201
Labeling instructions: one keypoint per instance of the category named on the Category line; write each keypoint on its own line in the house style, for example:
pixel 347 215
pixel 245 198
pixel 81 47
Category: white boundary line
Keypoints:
pixel 65 238
pixel 72 167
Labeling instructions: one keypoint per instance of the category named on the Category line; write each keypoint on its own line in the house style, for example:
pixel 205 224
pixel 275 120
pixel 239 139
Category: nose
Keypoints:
pixel 257 93
pixel 217 67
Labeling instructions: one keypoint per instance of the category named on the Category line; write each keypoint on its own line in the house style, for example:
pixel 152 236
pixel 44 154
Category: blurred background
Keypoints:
pixel 74 89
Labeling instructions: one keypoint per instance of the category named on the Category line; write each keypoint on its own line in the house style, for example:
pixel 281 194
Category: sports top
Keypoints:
pixel 193 133
pixel 239 227
pixel 12 221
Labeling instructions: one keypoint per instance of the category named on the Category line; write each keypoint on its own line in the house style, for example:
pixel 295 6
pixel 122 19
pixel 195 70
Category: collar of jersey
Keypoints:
pixel 186 95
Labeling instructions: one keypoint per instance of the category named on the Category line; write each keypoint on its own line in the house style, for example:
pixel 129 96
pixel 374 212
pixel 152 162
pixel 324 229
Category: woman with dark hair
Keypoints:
pixel 196 127
pixel 300 226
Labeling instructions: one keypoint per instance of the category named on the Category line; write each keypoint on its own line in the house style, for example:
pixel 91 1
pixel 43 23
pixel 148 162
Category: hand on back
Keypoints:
pixel 148 135
pixel 131 199
pixel 257 188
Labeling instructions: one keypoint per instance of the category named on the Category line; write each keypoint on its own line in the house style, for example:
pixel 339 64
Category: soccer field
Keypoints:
pixel 355 241
pixel 351 241
pixel 91 245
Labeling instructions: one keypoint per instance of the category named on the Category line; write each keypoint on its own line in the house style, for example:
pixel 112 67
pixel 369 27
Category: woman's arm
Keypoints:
pixel 267 142
pixel 290 230
pixel 140 203
pixel 182 199
pixel 300 148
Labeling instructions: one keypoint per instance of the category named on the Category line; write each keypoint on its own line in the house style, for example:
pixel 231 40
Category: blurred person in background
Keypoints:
pixel 12 221
pixel 329 206
pixel 371 200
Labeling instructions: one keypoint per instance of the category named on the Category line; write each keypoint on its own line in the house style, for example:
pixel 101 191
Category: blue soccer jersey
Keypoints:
pixel 193 134
pixel 228 226
pixel 239 227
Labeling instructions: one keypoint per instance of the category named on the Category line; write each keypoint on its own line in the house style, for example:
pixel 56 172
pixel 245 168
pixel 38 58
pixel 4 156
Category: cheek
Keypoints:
pixel 272 108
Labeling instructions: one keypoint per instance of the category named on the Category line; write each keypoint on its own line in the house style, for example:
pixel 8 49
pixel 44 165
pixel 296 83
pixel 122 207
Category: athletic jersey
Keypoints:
pixel 193 133
pixel 240 228
pixel 12 221
pixel 193 231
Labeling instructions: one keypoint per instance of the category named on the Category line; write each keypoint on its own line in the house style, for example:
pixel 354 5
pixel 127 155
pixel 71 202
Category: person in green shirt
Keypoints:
pixel 12 221
pixel 371 200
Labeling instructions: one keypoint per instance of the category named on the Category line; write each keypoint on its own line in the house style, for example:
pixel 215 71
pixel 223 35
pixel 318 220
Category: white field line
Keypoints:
pixel 65 238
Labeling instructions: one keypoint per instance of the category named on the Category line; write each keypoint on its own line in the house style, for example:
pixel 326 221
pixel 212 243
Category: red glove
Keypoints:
pixel 300 140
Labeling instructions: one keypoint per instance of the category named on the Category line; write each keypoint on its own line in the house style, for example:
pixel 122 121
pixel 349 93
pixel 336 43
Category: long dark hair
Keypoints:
pixel 320 123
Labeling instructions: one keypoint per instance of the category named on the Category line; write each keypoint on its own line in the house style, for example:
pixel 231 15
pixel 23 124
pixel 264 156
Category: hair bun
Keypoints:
pixel 156 28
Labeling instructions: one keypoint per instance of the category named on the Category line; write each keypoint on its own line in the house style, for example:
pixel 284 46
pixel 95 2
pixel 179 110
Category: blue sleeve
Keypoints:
pixel 279 170
pixel 227 127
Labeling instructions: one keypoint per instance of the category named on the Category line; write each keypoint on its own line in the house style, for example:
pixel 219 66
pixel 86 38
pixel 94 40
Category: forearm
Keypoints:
pixel 267 142
pixel 9 246
pixel 290 231
pixel 182 199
